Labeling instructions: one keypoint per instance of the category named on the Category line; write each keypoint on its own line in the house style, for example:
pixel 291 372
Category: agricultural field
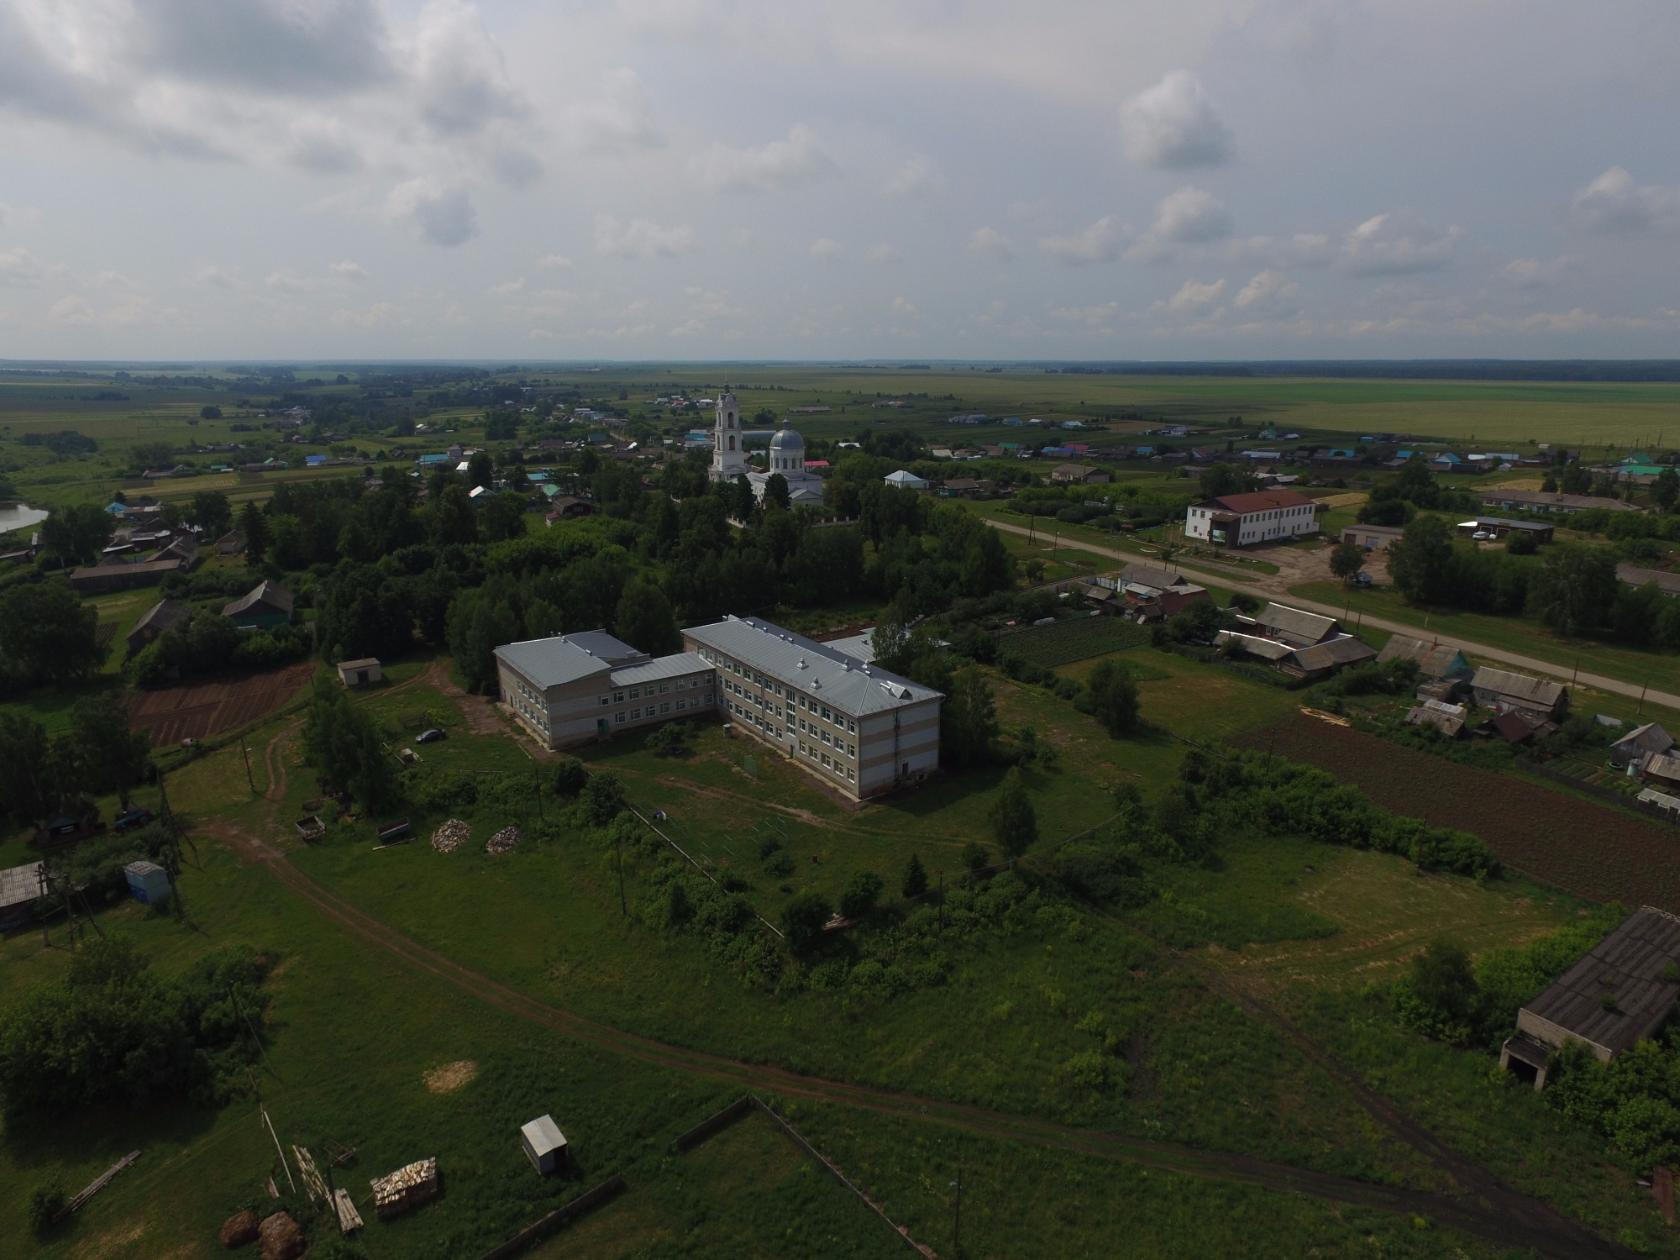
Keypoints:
pixel 1593 851
pixel 199 710
pixel 1072 639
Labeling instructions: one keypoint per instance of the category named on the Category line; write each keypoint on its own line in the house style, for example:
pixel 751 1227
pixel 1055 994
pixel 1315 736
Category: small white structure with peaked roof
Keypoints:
pixel 544 1145
pixel 905 480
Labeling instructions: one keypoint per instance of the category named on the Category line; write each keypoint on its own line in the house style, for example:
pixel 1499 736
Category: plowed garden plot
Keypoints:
pixel 1590 850
pixel 198 710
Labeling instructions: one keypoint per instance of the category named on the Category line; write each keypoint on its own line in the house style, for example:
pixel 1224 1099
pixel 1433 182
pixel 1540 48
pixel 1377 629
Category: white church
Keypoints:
pixel 787 457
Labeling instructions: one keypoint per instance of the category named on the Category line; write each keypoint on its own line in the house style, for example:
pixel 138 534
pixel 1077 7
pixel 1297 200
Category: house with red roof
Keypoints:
pixel 1241 520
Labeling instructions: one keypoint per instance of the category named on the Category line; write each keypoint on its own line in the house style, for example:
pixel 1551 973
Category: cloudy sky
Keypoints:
pixel 539 179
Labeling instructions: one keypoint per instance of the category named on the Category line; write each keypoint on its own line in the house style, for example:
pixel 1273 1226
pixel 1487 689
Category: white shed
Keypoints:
pixel 544 1145
pixel 905 480
pixel 360 672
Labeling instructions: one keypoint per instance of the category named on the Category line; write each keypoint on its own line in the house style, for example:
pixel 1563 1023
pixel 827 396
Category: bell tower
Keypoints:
pixel 729 458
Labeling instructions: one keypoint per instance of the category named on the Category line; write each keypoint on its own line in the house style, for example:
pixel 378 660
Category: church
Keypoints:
pixel 787 457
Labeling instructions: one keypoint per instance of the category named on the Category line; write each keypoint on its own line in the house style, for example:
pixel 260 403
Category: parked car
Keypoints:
pixel 1484 535
pixel 430 736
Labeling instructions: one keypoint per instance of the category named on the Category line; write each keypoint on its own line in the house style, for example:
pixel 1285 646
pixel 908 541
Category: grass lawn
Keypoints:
pixel 1514 634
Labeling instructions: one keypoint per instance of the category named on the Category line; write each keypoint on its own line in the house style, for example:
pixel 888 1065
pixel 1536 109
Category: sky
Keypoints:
pixel 692 179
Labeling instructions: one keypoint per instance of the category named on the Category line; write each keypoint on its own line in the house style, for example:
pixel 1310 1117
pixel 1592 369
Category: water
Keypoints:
pixel 20 516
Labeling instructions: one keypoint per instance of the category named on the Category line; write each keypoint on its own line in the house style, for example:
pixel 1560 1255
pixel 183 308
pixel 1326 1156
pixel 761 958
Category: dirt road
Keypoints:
pixel 1263 591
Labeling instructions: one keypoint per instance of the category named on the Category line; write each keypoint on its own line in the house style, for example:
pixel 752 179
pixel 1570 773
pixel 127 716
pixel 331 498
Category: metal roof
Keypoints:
pixel 859 646
pixel 1523 687
pixel 566 658
pixel 1617 993
pixel 1254 645
pixel 1346 650
pixel 673 666
pixel 1154 576
pixel 166 614
pixel 1257 500
pixel 272 594
pixel 1434 660
pixel 1634 575
pixel 542 1135
pixel 809 666
pixel 1295 621
pixel 21 883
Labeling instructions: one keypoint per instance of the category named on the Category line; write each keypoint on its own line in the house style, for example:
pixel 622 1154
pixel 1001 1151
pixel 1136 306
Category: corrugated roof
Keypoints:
pixel 1648 738
pixel 166 614
pixel 1346 650
pixel 1524 687
pixel 1434 660
pixel 1282 619
pixel 807 665
pixel 1617 992
pixel 1257 501
pixel 673 666
pixel 543 1135
pixel 20 883
pixel 1634 575
pixel 272 594
pixel 565 658
pixel 1544 499
pixel 1254 645
pixel 1152 575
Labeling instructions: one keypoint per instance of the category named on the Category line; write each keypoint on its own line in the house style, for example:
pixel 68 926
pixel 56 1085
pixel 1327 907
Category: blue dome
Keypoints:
pixel 787 440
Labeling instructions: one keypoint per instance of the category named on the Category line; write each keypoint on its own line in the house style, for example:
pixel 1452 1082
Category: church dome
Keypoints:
pixel 787 440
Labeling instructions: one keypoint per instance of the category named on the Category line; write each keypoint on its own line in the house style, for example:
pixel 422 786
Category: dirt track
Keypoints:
pixel 1486 1209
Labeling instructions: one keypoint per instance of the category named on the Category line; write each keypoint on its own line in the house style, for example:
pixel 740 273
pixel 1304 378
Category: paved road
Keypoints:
pixel 1664 698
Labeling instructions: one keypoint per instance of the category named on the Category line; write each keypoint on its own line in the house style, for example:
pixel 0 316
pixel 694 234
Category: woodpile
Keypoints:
pixel 408 1187
pixel 504 841
pixel 451 836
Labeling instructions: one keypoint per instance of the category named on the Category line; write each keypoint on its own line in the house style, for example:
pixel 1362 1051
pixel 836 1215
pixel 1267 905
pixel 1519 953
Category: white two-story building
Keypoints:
pixel 1241 520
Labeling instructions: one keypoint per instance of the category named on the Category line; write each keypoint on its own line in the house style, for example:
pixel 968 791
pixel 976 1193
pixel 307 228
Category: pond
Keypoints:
pixel 20 516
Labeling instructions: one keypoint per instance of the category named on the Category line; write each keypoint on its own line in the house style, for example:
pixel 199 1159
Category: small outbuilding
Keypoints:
pixel 360 672
pixel 1641 741
pixel 19 887
pixel 544 1145
pixel 905 480
pixel 1433 660
pixel 147 882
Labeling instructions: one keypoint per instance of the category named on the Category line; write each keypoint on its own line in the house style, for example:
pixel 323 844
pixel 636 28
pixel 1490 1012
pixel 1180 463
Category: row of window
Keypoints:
pixel 635 693
pixel 789 694
pixel 831 764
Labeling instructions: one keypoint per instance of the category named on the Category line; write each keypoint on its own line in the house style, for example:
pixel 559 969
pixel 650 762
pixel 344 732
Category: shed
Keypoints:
pixel 1296 626
pixel 1505 690
pixel 1323 659
pixel 147 881
pixel 544 1145
pixel 1616 994
pixel 1437 715
pixel 1632 747
pixel 1433 660
pixel 905 480
pixel 19 887
pixel 265 606
pixel 360 672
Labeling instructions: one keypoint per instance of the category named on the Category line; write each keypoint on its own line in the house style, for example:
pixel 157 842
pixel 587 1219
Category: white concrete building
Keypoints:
pixel 787 457
pixel 1241 520
pixel 905 480
pixel 729 451
pixel 861 730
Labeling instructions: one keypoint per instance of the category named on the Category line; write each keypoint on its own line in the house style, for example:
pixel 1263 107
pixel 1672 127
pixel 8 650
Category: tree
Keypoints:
pixel 1014 824
pixel 1347 559
pixel 968 721
pixel 976 858
pixel 568 777
pixel 742 501
pixel 644 618
pixel 75 535
pixel 679 909
pixel 342 741
pixel 776 492
pixel 1440 996
pixel 501 516
pixel 1574 588
pixel 108 756
pixel 1575 479
pixel 1420 561
pixel 862 892
pixel 1222 479
pixel 602 798
pixel 210 412
pixel 47 634
pixel 27 793
pixel 803 919
pixel 1666 489
pixel 210 512
pixel 915 879
pixel 1111 696
pixel 481 469
pixel 254 525
pixel 453 520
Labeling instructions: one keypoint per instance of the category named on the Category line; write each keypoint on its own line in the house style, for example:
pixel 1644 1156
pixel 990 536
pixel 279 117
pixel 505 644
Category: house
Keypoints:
pixel 1433 660
pixel 1640 742
pixel 962 488
pixel 1295 626
pixel 163 616
pixel 1503 526
pixel 98 579
pixel 1373 537
pixel 360 672
pixel 1078 474
pixel 184 549
pixel 1660 770
pixel 1440 716
pixel 544 1145
pixel 565 506
pixel 231 543
pixel 19 887
pixel 1240 520
pixel 1547 501
pixel 1147 584
pixel 1517 728
pixel 1633 575
pixel 1616 995
pixel 1501 689
pixel 904 480
pixel 264 607
pixel 1323 659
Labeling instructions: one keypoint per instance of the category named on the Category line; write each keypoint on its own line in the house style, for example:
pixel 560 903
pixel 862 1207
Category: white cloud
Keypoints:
pixel 780 164
pixel 988 242
pixel 441 215
pixel 20 269
pixel 1174 125
pixel 507 288
pixel 826 247
pixel 460 76
pixel 348 269
pixel 323 146
pixel 1193 298
pixel 71 310
pixel 1267 290
pixel 1189 216
pixel 376 315
pixel 1397 243
pixel 1536 273
pixel 1098 243
pixel 883 254
pixel 515 166
pixel 617 116
pixel 1616 206
pixel 554 262
pixel 902 305
pixel 914 177
pixel 640 238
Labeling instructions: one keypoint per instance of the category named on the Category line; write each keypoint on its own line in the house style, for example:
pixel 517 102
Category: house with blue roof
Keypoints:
pixel 432 461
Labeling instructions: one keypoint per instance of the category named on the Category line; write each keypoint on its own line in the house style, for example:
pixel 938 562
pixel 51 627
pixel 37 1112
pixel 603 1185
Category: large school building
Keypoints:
pixel 857 727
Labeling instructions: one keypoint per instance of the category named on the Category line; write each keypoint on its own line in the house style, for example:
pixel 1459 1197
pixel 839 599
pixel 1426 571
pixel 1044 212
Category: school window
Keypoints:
pixel 634 714
pixel 635 693
pixel 619 716
pixel 663 688
pixel 681 705
pixel 618 697
pixel 605 700
pixel 826 762
pixel 666 707
pixel 827 716
pixel 825 738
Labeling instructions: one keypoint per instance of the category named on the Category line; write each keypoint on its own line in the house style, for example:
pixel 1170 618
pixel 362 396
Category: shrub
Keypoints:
pixel 45 1204
pixel 915 878
pixel 803 919
pixel 976 858
pixel 568 777
pixel 602 798
pixel 863 890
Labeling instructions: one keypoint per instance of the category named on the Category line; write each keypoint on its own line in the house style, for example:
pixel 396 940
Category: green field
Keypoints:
pixel 1072 639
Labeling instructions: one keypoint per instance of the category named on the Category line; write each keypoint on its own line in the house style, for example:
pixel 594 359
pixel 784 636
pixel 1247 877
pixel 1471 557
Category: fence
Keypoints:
pixel 713 1124
pixel 1619 799
pixel 539 1229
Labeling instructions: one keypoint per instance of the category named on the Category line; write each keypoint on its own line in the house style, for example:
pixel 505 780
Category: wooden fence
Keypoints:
pixel 539 1229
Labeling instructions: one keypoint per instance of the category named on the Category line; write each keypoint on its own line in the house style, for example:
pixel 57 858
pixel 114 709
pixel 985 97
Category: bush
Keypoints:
pixel 803 919
pixel 45 1204
pixel 915 878
pixel 863 890
pixel 603 798
pixel 976 858
pixel 568 777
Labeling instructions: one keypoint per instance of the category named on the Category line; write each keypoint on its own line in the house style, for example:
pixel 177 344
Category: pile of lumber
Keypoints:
pixel 408 1187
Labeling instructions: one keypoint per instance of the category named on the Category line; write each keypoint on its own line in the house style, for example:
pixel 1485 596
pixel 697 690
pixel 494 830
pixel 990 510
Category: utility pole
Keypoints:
pixel 618 851
pixel 956 1214
pixel 246 752
pixel 1576 676
pixel 1643 687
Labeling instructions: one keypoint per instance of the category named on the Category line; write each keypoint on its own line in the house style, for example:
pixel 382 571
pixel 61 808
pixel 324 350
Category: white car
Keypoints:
pixel 1483 535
